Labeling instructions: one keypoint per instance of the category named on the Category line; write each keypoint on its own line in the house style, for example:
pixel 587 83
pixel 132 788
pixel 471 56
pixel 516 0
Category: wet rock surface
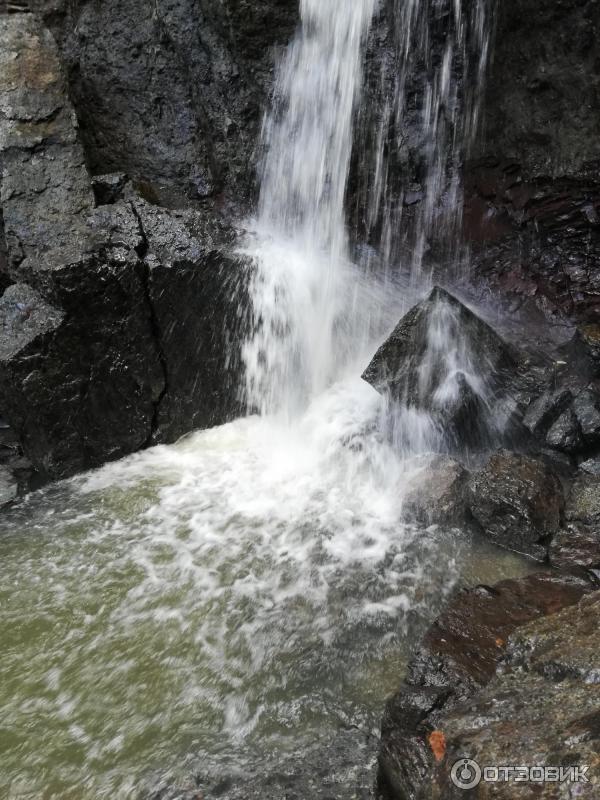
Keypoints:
pixel 121 331
pixel 436 495
pixel 536 241
pixel 532 191
pixel 517 501
pixel 457 658
pixel 464 392
pixel 540 708
pixel 541 102
pixel 577 545
pixel 172 93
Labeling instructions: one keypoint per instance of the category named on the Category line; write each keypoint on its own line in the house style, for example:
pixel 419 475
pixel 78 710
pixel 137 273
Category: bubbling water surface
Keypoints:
pixel 209 607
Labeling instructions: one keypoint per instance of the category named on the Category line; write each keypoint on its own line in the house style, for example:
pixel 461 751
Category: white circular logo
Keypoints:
pixel 466 774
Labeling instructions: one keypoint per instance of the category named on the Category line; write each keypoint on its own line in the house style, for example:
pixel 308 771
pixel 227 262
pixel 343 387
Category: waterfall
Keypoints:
pixel 234 608
pixel 315 311
pixel 301 284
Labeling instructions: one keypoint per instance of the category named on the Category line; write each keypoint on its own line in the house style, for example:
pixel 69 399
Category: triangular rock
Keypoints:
pixel 444 360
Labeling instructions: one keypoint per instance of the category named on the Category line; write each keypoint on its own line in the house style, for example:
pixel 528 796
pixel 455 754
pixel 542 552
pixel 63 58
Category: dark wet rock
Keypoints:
pixel 586 346
pixel 566 413
pixel 591 466
pixel 143 348
pixel 458 656
pixel 82 391
pixel 586 407
pixel 565 434
pixel 109 188
pixel 8 486
pixel 13 460
pixel 559 647
pixel 24 317
pixel 517 500
pixel 172 93
pixel 196 287
pixel 546 409
pixel 436 495
pixel 45 189
pixel 540 106
pixel 576 546
pixel 540 708
pixel 465 392
pixel 124 327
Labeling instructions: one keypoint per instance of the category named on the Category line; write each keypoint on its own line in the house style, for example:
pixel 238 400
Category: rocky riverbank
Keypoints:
pixel 492 682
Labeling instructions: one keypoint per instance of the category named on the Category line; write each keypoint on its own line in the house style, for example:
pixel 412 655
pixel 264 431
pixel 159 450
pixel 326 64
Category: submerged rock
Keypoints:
pixel 517 501
pixel 446 361
pixel 436 495
pixel 458 656
pixel 341 768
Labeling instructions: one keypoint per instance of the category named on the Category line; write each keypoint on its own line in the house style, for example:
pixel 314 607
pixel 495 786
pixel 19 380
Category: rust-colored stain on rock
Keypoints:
pixel 437 742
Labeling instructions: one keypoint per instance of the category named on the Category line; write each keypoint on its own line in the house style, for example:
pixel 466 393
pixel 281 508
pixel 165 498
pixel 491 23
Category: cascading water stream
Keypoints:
pixel 302 285
pixel 427 115
pixel 317 313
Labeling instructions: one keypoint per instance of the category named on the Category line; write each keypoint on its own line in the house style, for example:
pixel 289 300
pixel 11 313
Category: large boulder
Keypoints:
pixel 458 656
pixel 444 360
pixel 123 326
pixel 517 501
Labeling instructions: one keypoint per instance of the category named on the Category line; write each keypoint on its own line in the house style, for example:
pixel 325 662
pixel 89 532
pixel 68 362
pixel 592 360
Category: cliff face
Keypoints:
pixel 542 106
pixel 172 92
pixel 533 187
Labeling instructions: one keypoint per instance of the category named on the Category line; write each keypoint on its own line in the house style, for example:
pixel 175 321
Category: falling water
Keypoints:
pixel 304 283
pixel 316 312
pixel 419 131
